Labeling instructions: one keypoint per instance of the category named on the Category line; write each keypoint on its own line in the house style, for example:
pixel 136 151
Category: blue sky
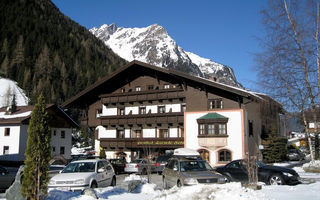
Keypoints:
pixel 224 31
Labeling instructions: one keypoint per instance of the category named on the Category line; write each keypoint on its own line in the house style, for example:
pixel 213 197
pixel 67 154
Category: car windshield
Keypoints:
pixel 80 167
pixel 163 158
pixel 196 165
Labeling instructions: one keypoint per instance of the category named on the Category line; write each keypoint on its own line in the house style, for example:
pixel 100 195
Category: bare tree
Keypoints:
pixel 289 64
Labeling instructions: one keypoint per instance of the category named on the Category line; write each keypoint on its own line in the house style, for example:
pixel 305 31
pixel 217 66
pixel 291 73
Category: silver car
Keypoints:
pixel 183 171
pixel 82 174
pixel 140 166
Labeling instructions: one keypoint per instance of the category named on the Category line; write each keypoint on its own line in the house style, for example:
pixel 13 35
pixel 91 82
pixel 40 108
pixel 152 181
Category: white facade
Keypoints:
pixel 16 141
pixel 235 132
pixel 61 142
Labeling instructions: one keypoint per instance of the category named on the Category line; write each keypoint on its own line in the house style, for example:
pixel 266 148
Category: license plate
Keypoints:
pixel 63 188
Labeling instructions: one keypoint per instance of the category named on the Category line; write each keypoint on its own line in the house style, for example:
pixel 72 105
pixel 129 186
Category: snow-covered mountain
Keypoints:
pixel 153 45
pixel 8 89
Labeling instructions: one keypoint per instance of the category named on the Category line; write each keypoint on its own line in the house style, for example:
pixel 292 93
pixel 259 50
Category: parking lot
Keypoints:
pixel 154 178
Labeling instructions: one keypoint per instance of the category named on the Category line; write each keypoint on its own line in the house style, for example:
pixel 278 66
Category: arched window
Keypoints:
pixel 204 154
pixel 224 155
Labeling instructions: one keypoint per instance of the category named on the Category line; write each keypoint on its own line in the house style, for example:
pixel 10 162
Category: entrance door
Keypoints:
pixel 204 154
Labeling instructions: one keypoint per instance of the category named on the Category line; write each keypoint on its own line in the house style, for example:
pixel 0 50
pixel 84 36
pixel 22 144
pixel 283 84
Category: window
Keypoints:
pixel 99 112
pixel 161 109
pixel 150 87
pixel 136 134
pixel 54 132
pixel 7 132
pixel 250 127
pixel 121 111
pixel 63 134
pixel 202 129
pixel 215 104
pixel 181 132
pixel 224 155
pixel 138 88
pixel 61 150
pixel 123 90
pixel 166 86
pixel 53 149
pixel 120 134
pixel 211 129
pixel 5 150
pixel 142 110
pixel 163 133
pixel 222 129
pixel 183 108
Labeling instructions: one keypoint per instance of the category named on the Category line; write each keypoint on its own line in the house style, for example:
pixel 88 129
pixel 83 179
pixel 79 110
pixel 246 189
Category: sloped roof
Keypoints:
pixel 22 115
pixel 92 92
pixel 213 116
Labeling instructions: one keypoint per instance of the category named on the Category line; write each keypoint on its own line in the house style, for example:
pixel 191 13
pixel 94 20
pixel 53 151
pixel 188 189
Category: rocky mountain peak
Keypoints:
pixel 154 45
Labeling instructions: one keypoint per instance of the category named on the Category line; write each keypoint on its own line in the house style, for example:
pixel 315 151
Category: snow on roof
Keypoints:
pixel 12 116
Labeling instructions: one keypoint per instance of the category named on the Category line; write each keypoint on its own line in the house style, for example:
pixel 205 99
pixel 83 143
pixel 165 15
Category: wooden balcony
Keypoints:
pixel 159 118
pixel 150 95
pixel 213 141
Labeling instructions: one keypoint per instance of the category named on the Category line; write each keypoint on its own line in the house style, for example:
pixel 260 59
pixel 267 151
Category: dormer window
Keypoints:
pixel 166 86
pixel 150 87
pixel 138 88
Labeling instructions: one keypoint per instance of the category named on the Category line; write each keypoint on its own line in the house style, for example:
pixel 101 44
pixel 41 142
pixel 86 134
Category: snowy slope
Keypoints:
pixel 153 45
pixel 8 89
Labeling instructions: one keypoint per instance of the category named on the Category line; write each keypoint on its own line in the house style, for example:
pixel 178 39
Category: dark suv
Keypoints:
pixel 161 162
pixel 118 165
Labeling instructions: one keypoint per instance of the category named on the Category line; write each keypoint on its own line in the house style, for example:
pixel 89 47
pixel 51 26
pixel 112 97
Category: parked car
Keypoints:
pixel 295 154
pixel 55 169
pixel 161 162
pixel 273 175
pixel 183 171
pixel 118 165
pixel 139 166
pixel 82 174
pixel 6 178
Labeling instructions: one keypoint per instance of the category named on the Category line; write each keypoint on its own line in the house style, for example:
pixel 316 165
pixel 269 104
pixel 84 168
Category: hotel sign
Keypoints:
pixel 157 143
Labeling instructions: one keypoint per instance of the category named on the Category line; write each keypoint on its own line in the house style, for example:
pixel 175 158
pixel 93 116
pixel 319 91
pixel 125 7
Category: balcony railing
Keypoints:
pixel 149 95
pixel 159 118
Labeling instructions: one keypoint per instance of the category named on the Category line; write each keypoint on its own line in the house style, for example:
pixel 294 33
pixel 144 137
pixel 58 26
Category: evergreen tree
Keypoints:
pixel 38 153
pixel 275 149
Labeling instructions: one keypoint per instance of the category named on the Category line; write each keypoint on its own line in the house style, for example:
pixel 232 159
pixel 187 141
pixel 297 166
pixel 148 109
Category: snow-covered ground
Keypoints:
pixel 232 191
pixel 309 189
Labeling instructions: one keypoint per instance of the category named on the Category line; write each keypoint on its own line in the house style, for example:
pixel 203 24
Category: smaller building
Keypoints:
pixel 14 132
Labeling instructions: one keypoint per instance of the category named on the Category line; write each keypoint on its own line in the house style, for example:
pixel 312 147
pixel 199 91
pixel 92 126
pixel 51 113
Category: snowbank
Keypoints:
pixel 313 167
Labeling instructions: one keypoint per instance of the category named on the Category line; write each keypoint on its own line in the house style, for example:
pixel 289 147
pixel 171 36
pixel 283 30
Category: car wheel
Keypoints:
pixel 179 183
pixel 229 179
pixel 164 183
pixel 113 182
pixel 94 184
pixel 144 171
pixel 276 179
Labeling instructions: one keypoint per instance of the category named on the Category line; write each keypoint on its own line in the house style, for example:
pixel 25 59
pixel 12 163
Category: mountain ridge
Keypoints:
pixel 153 45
